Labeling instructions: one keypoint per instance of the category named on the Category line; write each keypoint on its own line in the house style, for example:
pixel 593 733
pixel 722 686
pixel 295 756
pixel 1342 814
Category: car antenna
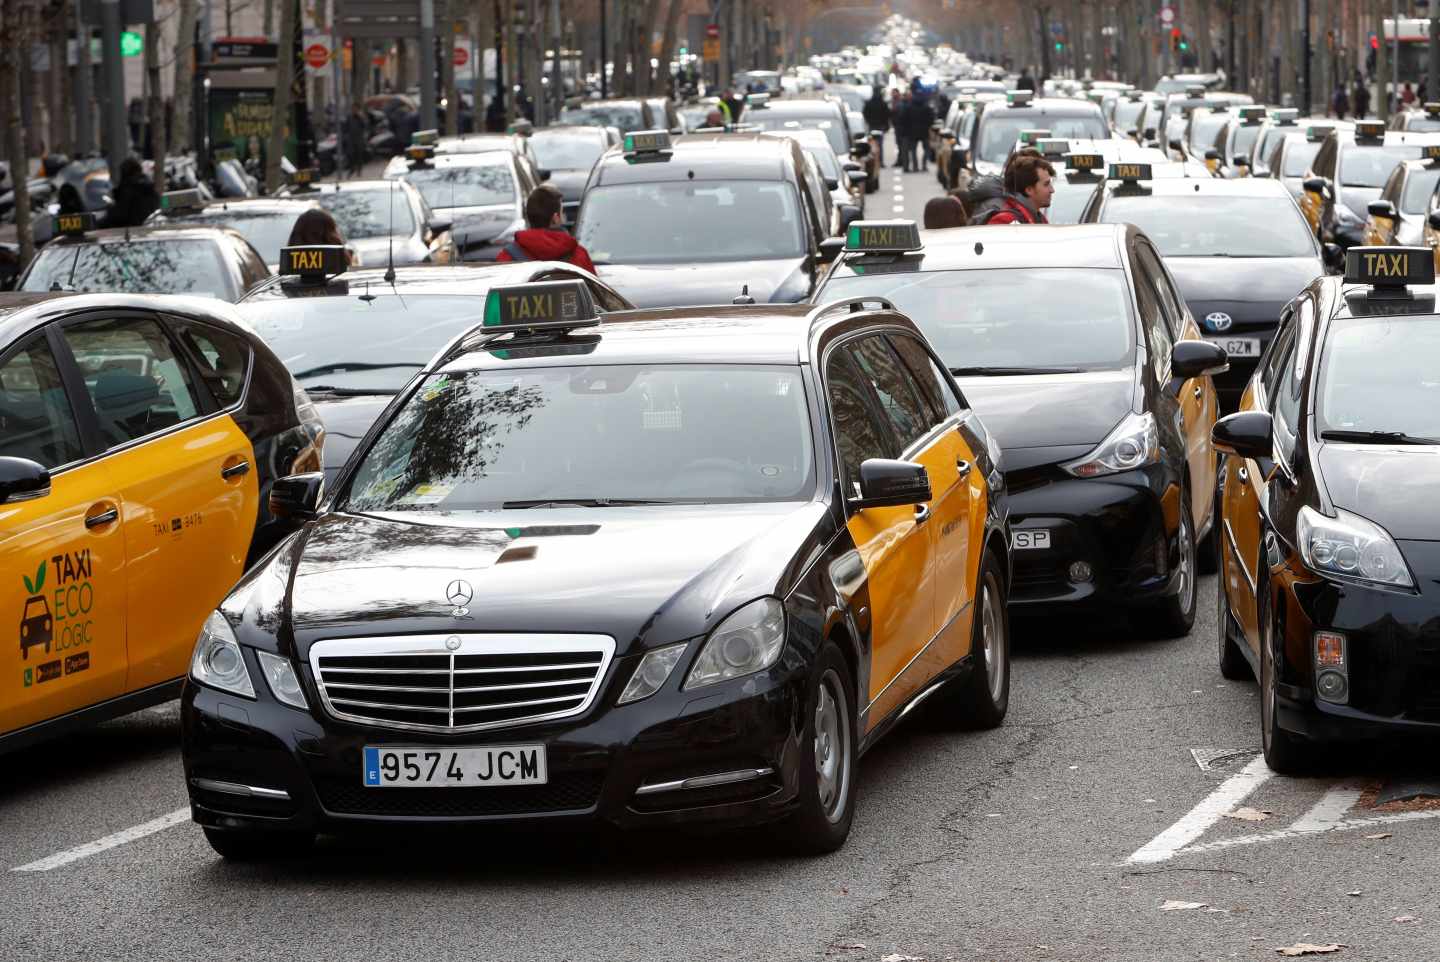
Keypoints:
pixel 390 270
pixel 70 282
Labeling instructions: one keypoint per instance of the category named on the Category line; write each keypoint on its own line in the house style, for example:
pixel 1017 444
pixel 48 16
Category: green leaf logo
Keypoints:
pixel 35 586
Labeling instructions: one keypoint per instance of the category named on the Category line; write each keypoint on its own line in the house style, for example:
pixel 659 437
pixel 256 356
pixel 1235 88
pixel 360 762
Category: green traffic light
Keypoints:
pixel 1184 45
pixel 1059 46
pixel 132 44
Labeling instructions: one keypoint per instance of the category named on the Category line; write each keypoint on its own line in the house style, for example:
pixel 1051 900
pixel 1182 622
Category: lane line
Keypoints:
pixel 61 859
pixel 1287 833
pixel 1211 809
pixel 1328 811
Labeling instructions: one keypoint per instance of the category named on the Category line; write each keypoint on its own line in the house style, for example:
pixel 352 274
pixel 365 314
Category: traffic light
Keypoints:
pixel 1174 39
pixel 1184 44
pixel 1059 46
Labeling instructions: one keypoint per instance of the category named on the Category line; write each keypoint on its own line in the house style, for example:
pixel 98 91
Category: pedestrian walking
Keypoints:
pixel 353 140
pixel 133 199
pixel 877 117
pixel 1339 102
pixel 1361 100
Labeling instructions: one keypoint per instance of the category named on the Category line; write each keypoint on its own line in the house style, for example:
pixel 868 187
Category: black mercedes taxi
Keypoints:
pixel 354 338
pixel 706 218
pixel 682 567
pixel 1239 249
pixel 1075 347
pixel 1328 537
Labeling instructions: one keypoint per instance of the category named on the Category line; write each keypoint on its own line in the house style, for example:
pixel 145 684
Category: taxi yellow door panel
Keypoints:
pixel 1241 533
pixel 189 483
pixel 62 593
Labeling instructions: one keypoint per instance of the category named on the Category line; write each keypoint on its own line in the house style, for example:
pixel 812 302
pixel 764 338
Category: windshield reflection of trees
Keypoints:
pixel 146 267
pixel 367 214
pixel 464 186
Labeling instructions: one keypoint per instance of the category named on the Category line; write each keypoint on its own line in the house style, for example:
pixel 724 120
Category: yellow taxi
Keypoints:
pixel 139 437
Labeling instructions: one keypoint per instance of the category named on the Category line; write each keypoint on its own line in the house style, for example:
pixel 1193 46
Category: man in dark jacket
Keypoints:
pixel 546 240
pixel 1026 82
pixel 915 120
pixel 133 199
pixel 1361 101
pixel 877 117
pixel 354 140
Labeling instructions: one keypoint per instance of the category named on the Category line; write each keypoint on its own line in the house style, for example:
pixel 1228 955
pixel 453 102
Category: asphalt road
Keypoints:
pixel 1060 835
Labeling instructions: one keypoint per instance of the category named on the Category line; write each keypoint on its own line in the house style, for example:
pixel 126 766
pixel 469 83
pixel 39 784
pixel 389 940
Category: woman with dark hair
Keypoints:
pixel 945 211
pixel 315 226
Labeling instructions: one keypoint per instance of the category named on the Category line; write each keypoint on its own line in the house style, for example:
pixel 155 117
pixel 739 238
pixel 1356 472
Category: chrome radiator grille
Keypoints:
pixel 460 683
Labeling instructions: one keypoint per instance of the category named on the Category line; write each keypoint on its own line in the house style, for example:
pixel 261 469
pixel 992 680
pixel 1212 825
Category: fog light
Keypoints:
pixel 1331 686
pixel 1329 650
pixel 1080 571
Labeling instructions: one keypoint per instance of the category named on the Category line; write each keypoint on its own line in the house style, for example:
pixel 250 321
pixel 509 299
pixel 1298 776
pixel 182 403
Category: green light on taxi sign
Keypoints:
pixel 131 44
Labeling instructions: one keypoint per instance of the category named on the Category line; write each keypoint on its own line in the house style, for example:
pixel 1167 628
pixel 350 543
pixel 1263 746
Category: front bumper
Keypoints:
pixel 1392 653
pixel 597 764
pixel 1123 527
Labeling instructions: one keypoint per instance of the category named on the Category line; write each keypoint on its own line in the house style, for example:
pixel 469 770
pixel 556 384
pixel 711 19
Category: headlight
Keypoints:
pixel 1351 547
pixel 280 676
pixel 1133 444
pixel 652 672
pixel 748 641
pixel 217 661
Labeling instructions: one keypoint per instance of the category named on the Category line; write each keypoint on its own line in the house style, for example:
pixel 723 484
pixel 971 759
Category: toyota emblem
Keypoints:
pixel 459 593
pixel 1218 321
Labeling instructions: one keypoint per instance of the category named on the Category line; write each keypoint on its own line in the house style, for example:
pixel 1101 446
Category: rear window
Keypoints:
pixel 1418 188
pixel 1201 226
pixel 1369 166
pixel 1298 158
pixel 138 267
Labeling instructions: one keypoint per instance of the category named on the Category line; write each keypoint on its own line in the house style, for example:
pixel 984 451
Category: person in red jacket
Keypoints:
pixel 1027 192
pixel 546 240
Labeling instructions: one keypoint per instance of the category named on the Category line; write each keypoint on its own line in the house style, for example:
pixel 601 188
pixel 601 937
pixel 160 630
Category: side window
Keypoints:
pixel 1169 301
pixel 253 268
pixel 1391 192
pixel 224 359
pixel 935 387
pixel 857 436
pixel 135 380
pixel 36 421
pixel 899 396
pixel 1276 358
pixel 1152 320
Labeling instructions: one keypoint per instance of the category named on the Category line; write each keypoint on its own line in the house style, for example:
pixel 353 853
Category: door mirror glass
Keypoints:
pixel 297 497
pixel 22 480
pixel 886 483
pixel 1247 435
pixel 1381 208
pixel 830 249
pixel 1198 359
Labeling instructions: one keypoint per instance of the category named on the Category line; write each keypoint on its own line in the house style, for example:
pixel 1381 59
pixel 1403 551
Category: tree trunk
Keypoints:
pixel 15 50
pixel 155 105
pixel 662 59
pixel 445 33
pixel 269 28
pixel 284 78
pixel 1381 101
pixel 184 73
pixel 673 10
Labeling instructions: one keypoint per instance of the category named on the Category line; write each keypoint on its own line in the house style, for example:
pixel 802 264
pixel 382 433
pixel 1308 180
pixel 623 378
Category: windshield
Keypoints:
pixel 566 151
pixel 1423 123
pixel 1201 226
pixel 1127 112
pixel 999 133
pixel 1298 157
pixel 1418 188
pixel 626 118
pixel 1244 139
pixel 139 267
pixel 1011 318
pixel 1378 374
pixel 835 132
pixel 479 439
pixel 354 344
pixel 1203 130
pixel 661 223
pixel 369 213
pixel 465 186
pixel 266 230
pixel 1369 166
pixel 1069 200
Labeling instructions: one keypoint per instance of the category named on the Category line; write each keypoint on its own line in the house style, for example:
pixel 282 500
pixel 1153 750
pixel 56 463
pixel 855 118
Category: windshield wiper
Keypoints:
pixel 1003 371
pixel 345 367
pixel 1377 437
pixel 584 502
pixel 348 391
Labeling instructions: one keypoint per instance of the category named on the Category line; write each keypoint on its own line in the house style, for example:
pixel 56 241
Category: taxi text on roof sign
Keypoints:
pixel 1131 172
pixel 304 175
pixel 74 225
pixel 883 236
pixel 419 154
pixel 1370 130
pixel 1392 267
pixel 174 200
pixel 647 141
pixel 1084 161
pixel 1431 151
pixel 1432 107
pixel 316 261
pixel 546 305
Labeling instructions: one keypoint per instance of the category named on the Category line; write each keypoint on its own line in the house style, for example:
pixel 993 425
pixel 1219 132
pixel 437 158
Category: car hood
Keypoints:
pixel 346 420
pixel 1392 486
pixel 1249 289
pixel 480 225
pixel 684 569
pixel 570 183
pixel 376 251
pixel 1042 419
pixel 781 279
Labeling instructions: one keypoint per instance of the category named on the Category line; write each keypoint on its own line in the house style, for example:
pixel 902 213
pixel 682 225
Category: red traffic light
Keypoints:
pixel 1175 32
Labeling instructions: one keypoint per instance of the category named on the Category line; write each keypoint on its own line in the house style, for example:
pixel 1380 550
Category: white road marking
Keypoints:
pixel 1292 832
pixel 899 208
pixel 1197 822
pixel 1328 811
pixel 61 859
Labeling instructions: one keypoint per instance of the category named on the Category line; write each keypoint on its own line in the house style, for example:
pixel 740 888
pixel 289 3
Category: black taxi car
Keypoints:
pixel 706 218
pixel 139 440
pixel 1348 172
pixel 1329 544
pixel 181 259
pixel 815 541
pixel 354 338
pixel 1101 400
pixel 1239 250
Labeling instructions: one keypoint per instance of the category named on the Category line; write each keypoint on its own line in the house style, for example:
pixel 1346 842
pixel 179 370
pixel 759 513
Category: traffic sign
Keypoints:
pixel 712 30
pixel 378 60
pixel 711 50
pixel 131 44
pixel 317 55
pixel 1167 15
pixel 460 57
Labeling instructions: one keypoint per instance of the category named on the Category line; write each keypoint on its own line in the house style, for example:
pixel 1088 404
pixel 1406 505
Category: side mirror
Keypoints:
pixel 297 496
pixel 861 149
pixel 849 213
pixel 1177 145
pixel 830 249
pixel 1241 160
pixel 22 480
pixel 1197 359
pixel 1314 185
pixel 1381 208
pixel 438 225
pixel 543 174
pixel 831 183
pixel 857 178
pixel 886 483
pixel 1212 154
pixel 1246 435
pixel 676 131
pixel 1434 219
pixel 1333 255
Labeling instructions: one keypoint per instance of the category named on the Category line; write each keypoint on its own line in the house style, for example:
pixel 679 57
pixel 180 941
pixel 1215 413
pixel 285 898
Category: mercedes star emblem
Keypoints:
pixel 453 642
pixel 1218 321
pixel 459 593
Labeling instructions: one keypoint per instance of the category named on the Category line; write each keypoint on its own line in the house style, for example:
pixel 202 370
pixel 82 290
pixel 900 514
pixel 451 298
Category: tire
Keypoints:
pixel 827 802
pixel 249 846
pixel 1174 616
pixel 982 697
pixel 1285 753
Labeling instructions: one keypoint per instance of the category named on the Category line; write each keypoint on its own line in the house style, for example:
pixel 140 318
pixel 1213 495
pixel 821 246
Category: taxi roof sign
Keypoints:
pixel 304 176
pixel 1019 98
pixel 1370 130
pixel 1252 113
pixel 1196 90
pixel 425 138
pixel 883 236
pixel 647 142
pixel 419 154
pixel 547 305
pixel 74 225
pixel 1318 132
pixel 1134 96
pixel 1053 146
pixel 1130 173
pixel 1389 268
pixel 178 200
pixel 1430 151
pixel 1034 135
pixel 1432 107
pixel 757 99
pixel 1085 162
pixel 313 261
pixel 1286 116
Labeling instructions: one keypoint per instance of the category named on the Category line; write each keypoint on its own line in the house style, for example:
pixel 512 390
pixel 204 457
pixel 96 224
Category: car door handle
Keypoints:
pixel 922 513
pixel 1199 391
pixel 235 470
pixel 962 466
pixel 99 519
pixel 1244 475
